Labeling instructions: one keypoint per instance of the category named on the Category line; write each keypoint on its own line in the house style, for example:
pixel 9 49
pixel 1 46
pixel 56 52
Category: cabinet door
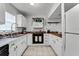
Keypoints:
pixel 53 43
pixel 29 39
pixel 46 39
pixel 52 40
pixel 21 45
pixel 19 49
pixel 25 40
pixel 24 22
pixel 21 21
pixel 13 48
pixel 12 51
pixel 2 13
pixel 58 49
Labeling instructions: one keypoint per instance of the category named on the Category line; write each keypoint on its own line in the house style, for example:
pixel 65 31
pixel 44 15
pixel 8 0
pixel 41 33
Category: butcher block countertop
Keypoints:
pixel 59 34
pixel 15 35
pixel 53 33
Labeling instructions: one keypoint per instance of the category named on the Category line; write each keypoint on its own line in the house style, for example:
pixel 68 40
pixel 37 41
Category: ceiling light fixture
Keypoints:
pixel 32 4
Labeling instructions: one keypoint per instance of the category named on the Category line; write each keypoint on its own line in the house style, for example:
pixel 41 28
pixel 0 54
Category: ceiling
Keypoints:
pixel 56 14
pixel 42 9
pixel 38 9
pixel 69 6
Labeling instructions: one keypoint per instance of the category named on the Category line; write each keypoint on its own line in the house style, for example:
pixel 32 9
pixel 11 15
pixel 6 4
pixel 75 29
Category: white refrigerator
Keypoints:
pixel 72 32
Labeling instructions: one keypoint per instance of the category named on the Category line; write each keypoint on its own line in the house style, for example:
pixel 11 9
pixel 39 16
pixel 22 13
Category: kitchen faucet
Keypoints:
pixel 12 28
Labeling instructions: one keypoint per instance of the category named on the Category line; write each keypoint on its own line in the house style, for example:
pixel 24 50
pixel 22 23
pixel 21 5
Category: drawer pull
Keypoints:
pixel 12 44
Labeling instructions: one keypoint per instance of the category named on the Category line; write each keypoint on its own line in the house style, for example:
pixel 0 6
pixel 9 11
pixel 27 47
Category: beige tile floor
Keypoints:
pixel 39 51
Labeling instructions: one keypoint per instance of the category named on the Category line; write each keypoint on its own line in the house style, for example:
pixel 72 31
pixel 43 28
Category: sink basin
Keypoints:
pixel 11 36
pixel 14 36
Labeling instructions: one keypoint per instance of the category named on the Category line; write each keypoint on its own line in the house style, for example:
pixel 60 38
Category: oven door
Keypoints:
pixel 37 38
pixel 4 50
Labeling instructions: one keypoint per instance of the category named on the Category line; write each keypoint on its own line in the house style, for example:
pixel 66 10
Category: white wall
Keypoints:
pixel 2 14
pixel 9 8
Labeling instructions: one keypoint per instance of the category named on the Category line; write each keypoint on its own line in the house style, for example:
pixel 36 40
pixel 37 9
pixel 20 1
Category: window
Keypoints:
pixel 9 20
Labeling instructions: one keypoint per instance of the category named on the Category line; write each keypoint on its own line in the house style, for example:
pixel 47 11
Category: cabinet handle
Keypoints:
pixel 12 44
pixel 14 48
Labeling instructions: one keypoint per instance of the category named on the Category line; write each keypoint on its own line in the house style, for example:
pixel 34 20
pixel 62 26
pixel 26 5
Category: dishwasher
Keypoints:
pixel 4 50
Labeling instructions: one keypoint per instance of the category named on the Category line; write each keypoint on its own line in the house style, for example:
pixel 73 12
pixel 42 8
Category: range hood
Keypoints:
pixel 38 22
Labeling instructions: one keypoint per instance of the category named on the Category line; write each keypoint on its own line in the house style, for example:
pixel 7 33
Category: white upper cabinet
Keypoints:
pixel 21 21
pixel 2 13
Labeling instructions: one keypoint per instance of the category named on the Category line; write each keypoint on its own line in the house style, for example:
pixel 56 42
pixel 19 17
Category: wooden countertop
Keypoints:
pixel 53 33
pixel 59 35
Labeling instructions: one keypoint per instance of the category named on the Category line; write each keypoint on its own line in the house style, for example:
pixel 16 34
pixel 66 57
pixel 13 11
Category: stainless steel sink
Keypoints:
pixel 11 36
pixel 14 36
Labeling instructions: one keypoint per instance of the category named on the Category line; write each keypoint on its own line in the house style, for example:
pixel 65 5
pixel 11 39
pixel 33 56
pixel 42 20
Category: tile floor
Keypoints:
pixel 39 51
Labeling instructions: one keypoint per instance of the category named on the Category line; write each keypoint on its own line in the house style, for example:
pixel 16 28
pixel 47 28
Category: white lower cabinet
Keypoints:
pixel 46 39
pixel 46 42
pixel 54 42
pixel 12 51
pixel 17 47
pixel 29 38
pixel 13 48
